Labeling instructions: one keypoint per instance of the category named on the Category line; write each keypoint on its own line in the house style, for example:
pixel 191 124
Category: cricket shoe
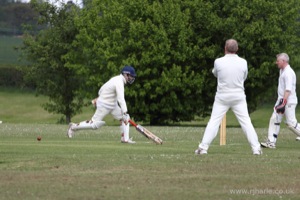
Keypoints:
pixel 257 152
pixel 298 138
pixel 70 132
pixel 200 151
pixel 129 141
pixel 268 144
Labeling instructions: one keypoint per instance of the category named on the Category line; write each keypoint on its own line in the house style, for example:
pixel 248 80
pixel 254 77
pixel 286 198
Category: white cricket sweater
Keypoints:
pixel 112 93
pixel 231 72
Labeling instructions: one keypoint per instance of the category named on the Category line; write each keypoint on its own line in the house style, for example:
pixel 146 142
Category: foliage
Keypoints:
pixel 10 76
pixel 173 44
pixel 154 38
pixel 264 29
pixel 13 15
pixel 45 51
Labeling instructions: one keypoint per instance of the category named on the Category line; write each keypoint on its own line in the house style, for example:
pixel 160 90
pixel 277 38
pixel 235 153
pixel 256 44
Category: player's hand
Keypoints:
pixel 280 108
pixel 126 118
pixel 94 102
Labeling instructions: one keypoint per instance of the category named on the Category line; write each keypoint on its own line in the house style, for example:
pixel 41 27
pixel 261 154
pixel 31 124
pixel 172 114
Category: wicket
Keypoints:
pixel 223 131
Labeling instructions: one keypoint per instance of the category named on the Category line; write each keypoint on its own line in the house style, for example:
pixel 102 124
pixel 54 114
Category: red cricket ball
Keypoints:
pixel 39 138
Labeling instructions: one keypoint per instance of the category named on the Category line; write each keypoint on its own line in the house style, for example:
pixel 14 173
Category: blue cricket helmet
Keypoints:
pixel 128 70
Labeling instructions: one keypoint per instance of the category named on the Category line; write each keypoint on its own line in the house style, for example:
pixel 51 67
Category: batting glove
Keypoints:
pixel 126 118
pixel 280 108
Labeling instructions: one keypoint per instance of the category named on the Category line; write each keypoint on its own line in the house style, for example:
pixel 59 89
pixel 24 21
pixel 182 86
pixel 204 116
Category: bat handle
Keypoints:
pixel 132 123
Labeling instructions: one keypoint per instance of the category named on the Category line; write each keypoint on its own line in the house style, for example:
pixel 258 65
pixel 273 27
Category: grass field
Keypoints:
pixel 95 165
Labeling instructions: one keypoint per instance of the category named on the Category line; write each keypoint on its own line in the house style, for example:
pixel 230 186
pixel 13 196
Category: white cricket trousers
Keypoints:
pixel 238 104
pixel 276 119
pixel 97 121
pixel 101 112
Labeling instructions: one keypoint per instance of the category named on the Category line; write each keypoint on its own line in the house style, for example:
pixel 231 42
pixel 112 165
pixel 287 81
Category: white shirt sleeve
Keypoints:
pixel 120 91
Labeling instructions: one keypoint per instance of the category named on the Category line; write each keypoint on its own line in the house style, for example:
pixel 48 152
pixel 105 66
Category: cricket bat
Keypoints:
pixel 146 132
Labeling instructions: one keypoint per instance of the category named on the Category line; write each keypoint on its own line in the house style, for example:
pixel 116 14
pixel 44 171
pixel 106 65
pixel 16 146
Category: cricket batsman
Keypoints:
pixel 110 100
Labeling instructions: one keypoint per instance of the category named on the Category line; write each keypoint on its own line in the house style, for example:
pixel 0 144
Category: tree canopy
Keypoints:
pixel 172 44
pixel 45 51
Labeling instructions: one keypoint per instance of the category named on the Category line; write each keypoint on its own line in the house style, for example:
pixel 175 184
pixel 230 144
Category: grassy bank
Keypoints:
pixel 18 106
pixel 22 106
pixel 8 54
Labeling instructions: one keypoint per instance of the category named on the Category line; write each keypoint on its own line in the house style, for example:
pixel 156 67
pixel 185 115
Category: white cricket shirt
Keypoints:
pixel 112 93
pixel 231 72
pixel 287 81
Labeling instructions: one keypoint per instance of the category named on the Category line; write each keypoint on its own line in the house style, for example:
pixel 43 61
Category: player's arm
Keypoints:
pixel 214 70
pixel 280 108
pixel 121 98
pixel 286 94
pixel 122 103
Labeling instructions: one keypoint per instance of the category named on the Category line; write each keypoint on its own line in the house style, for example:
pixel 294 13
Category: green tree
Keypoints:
pixel 46 52
pixel 173 44
pixel 263 29
pixel 156 39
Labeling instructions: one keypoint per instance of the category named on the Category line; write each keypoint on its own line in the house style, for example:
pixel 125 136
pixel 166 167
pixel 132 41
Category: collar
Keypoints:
pixel 287 66
pixel 230 55
pixel 124 79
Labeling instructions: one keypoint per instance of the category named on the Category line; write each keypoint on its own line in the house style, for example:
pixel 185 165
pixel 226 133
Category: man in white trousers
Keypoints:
pixel 286 103
pixel 231 71
pixel 110 100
